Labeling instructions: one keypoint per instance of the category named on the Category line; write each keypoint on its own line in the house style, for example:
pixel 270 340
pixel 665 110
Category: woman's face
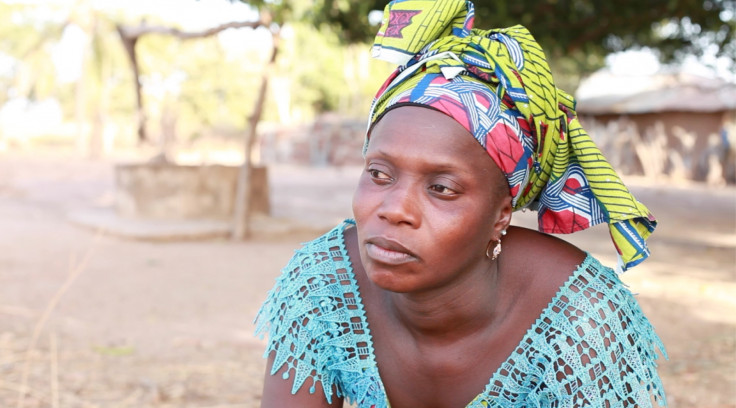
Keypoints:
pixel 425 206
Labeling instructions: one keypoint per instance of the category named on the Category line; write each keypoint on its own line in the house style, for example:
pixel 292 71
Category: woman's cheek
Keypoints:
pixel 360 199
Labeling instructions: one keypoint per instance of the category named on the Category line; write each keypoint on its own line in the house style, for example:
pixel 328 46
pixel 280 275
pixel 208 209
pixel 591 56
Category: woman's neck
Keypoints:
pixel 469 304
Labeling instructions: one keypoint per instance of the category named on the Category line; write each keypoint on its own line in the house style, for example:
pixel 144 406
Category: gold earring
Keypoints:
pixel 496 250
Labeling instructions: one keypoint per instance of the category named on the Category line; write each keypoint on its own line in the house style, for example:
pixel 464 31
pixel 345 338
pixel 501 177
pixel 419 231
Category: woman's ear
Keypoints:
pixel 503 216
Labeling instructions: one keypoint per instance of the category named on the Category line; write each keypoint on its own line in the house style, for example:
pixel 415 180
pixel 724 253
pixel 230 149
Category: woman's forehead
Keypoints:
pixel 424 125
pixel 423 121
pixel 411 132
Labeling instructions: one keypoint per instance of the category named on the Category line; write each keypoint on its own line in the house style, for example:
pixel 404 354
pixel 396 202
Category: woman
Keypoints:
pixel 417 303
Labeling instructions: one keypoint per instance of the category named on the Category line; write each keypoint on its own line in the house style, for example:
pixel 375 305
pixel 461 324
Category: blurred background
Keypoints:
pixel 160 160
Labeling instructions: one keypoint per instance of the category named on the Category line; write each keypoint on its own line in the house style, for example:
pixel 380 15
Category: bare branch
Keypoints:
pixel 143 29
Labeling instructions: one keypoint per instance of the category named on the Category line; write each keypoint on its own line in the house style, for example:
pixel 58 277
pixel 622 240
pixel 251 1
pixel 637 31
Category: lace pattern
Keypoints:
pixel 592 346
pixel 317 325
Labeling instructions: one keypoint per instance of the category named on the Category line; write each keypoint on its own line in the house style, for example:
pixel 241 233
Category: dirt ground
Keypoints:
pixel 89 320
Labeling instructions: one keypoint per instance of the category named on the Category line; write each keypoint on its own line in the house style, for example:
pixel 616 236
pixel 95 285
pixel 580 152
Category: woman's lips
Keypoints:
pixel 388 252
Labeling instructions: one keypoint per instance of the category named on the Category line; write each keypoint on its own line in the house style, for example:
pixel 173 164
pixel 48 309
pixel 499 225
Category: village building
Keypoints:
pixel 675 126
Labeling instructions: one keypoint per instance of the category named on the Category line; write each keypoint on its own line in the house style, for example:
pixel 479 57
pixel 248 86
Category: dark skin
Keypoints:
pixel 443 316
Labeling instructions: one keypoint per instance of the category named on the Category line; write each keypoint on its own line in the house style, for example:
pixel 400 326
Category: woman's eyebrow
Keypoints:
pixel 435 164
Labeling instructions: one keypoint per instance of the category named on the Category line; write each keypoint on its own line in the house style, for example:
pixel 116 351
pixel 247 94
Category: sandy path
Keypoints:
pixel 169 324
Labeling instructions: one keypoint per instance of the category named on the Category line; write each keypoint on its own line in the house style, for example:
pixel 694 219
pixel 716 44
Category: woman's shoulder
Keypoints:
pixel 545 265
pixel 604 345
pixel 541 263
pixel 313 258
pixel 332 240
pixel 312 266
pixel 542 250
pixel 309 314
pixel 592 330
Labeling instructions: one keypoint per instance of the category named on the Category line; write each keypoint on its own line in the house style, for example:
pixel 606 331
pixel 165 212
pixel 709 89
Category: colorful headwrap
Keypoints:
pixel 497 84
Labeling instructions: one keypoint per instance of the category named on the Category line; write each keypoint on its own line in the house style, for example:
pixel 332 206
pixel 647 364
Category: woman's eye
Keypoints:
pixel 378 174
pixel 439 188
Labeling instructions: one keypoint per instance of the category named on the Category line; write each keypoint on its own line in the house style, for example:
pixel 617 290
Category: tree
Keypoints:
pixel 130 35
pixel 581 31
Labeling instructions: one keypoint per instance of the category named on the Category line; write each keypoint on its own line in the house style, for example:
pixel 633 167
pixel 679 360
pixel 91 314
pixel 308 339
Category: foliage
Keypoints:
pixel 197 86
pixel 313 77
pixel 26 55
pixel 324 64
pixel 327 76
pixel 583 30
pixel 31 38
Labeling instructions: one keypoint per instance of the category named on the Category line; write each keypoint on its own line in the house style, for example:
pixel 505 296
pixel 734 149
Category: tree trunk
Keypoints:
pixel 242 207
pixel 80 103
pixel 129 43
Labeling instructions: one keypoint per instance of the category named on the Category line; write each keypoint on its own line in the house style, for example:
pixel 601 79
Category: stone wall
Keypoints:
pixel 169 192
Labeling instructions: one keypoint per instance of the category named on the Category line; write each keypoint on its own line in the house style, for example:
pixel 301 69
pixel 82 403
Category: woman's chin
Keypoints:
pixel 389 280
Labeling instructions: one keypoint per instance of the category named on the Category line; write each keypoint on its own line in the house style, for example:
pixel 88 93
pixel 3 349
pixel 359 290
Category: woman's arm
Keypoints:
pixel 277 392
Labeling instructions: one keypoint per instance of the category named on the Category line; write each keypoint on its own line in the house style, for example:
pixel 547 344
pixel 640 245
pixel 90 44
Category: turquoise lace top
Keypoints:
pixel 317 327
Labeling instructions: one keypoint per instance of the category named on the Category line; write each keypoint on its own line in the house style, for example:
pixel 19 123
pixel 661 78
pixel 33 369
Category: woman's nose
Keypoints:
pixel 400 205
